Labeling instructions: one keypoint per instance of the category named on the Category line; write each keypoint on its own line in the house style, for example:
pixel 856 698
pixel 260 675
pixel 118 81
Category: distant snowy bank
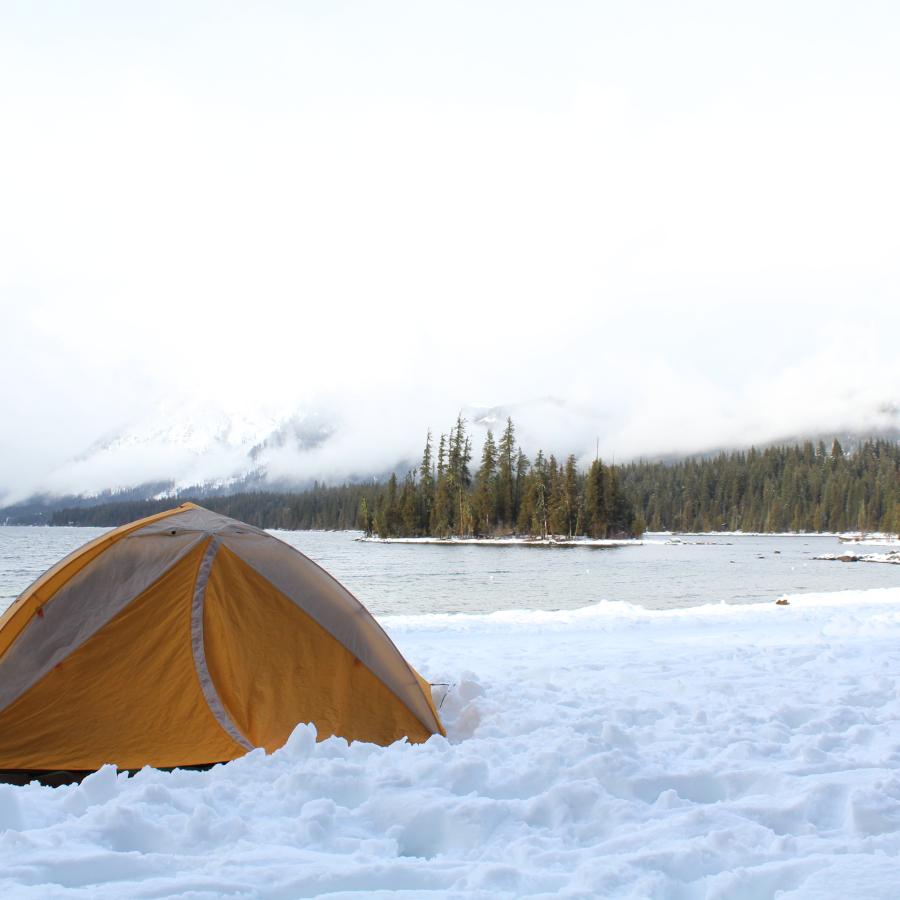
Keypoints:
pixel 892 556
pixel 650 537
pixel 712 752
pixel 850 537
pixel 878 539
pixel 507 541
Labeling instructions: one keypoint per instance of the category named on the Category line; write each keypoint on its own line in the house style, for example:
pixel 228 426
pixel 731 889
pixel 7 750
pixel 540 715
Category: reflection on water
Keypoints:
pixel 404 578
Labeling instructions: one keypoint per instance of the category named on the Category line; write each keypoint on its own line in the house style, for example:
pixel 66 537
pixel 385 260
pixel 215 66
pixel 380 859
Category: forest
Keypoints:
pixel 805 487
pixel 506 494
pixel 810 487
pixel 321 507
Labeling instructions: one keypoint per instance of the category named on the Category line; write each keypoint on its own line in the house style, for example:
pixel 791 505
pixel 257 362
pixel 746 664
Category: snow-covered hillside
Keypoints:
pixel 717 752
pixel 187 446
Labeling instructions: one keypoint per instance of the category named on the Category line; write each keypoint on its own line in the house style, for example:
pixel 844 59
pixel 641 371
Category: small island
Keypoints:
pixel 543 501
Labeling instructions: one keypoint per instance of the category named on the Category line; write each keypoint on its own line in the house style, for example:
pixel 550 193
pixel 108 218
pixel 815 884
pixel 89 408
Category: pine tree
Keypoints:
pixel 570 493
pixel 409 508
pixel 387 517
pixel 556 503
pixel 506 460
pixel 458 457
pixel 363 519
pixel 483 501
pixel 442 510
pixel 595 502
pixel 426 487
pixel 522 466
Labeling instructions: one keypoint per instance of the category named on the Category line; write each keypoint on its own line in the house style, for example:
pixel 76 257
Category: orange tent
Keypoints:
pixel 188 638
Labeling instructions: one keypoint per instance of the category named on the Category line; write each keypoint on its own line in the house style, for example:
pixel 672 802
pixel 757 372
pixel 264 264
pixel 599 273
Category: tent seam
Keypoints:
pixel 207 686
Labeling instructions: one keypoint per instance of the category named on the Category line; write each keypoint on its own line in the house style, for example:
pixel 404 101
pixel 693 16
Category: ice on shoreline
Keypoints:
pixel 874 539
pixel 712 752
pixel 890 557
pixel 509 541
pixel 649 537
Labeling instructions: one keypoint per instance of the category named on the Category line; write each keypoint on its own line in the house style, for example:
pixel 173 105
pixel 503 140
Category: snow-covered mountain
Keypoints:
pixel 189 447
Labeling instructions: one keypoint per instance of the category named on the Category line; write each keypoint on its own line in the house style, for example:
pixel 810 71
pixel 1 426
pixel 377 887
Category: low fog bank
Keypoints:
pixel 364 433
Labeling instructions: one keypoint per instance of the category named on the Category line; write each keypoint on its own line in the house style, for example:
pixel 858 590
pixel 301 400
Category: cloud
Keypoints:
pixel 381 219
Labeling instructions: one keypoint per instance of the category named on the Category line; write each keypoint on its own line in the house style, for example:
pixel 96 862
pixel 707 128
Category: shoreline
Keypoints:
pixel 892 557
pixel 871 538
pixel 649 537
pixel 509 541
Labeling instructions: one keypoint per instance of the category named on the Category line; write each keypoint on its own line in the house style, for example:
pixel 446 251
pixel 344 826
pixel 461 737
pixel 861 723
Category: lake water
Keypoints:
pixel 402 578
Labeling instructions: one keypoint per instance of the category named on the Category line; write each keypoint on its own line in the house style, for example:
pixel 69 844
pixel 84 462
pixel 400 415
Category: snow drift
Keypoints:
pixel 721 752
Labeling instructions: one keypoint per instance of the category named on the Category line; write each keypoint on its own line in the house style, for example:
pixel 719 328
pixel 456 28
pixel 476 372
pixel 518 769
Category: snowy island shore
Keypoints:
pixel 892 556
pixel 890 541
pixel 650 537
pixel 713 752
pixel 874 540
pixel 507 541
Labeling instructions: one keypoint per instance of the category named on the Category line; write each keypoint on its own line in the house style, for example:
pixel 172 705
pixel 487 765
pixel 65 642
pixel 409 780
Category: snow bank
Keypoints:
pixel 874 538
pixel 892 556
pixel 739 533
pixel 509 541
pixel 714 752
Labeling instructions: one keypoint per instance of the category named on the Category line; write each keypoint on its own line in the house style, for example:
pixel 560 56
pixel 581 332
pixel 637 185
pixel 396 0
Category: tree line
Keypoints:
pixel 506 494
pixel 321 507
pixel 807 487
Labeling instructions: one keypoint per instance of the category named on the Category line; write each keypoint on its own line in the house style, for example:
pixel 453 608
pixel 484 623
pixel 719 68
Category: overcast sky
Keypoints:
pixel 672 226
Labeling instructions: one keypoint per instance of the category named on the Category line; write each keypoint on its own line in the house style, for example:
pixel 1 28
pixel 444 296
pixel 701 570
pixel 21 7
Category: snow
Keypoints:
pixel 186 442
pixel 650 537
pixel 713 752
pixel 849 537
pixel 512 541
pixel 892 556
pixel 873 538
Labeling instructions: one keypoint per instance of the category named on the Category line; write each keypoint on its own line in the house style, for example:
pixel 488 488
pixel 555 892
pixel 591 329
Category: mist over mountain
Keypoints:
pixel 205 452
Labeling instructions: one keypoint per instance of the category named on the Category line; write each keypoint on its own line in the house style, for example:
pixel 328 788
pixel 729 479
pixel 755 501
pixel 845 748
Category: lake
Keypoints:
pixel 412 579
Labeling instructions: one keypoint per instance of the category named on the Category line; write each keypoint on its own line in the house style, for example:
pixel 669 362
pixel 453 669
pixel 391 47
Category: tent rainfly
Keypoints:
pixel 188 638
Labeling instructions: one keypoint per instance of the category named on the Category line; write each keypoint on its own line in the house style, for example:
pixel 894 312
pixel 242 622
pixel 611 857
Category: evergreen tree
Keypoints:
pixel 595 501
pixel 364 520
pixel 506 479
pixel 484 500
pixel 442 457
pixel 570 494
pixel 458 457
pixel 409 508
pixel 426 487
pixel 557 518
pixel 534 512
pixel 387 515
pixel 522 465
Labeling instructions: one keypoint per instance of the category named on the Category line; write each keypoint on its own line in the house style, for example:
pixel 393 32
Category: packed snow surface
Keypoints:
pixel 715 752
